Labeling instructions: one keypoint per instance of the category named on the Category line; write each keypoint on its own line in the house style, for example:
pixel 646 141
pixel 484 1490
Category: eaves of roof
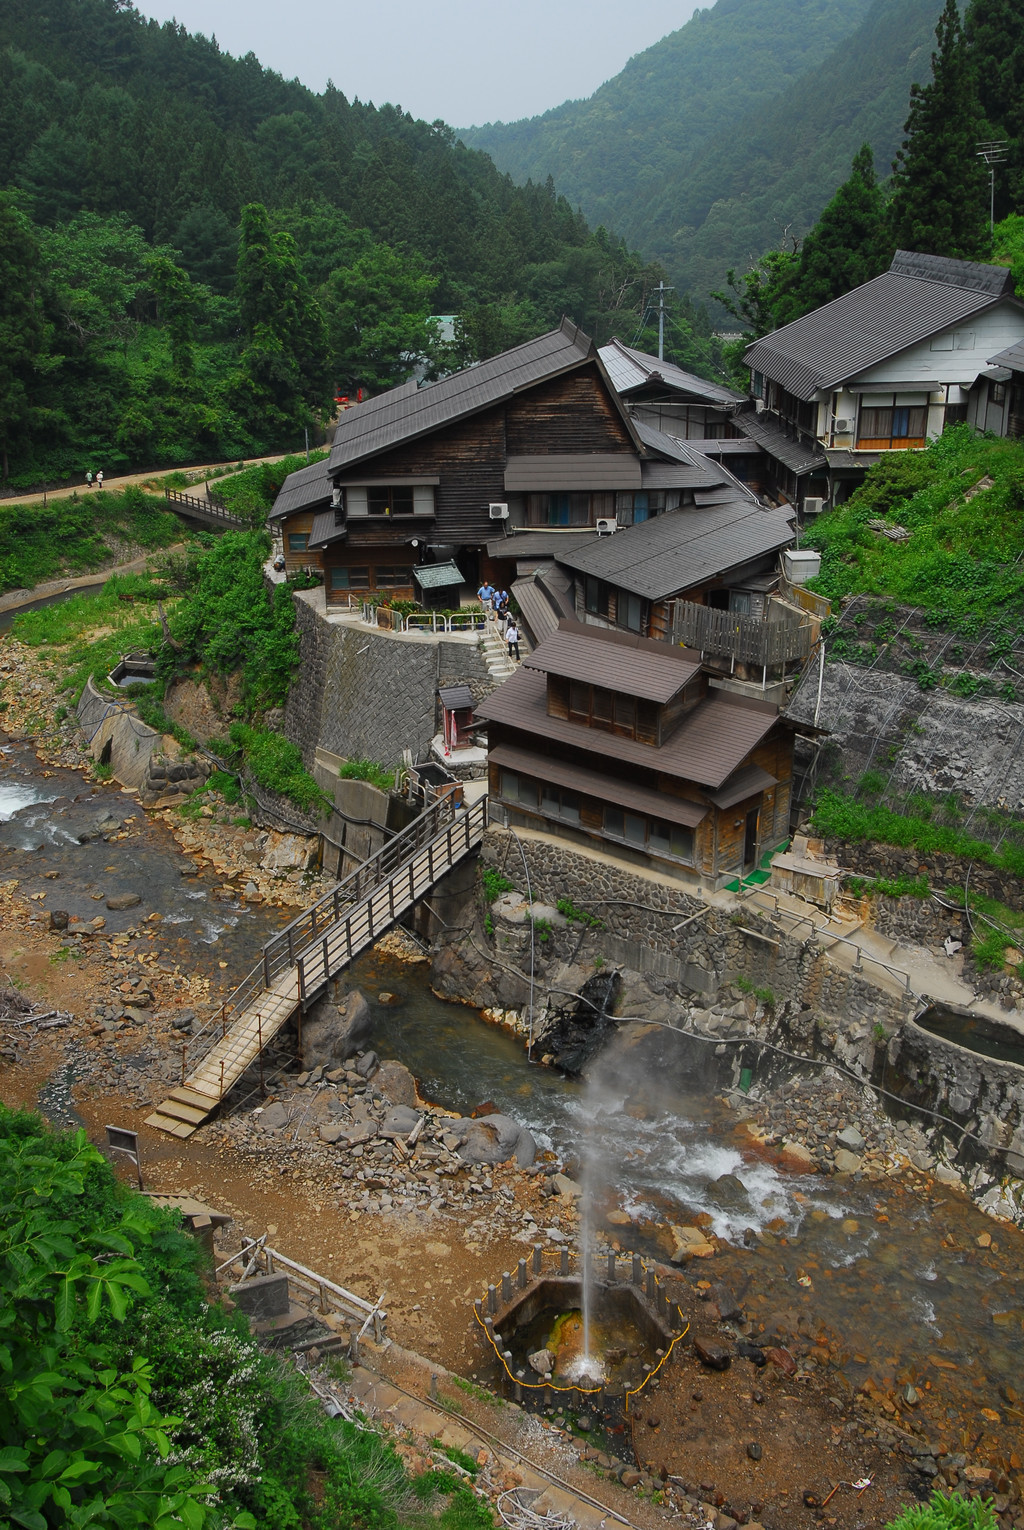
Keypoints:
pixel 677 550
pixel 708 745
pixel 864 327
pixel 773 439
pixel 630 369
pixel 404 414
pixel 303 489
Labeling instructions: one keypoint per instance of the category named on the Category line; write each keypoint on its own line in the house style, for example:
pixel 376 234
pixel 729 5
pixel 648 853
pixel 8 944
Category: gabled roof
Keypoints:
pixel 710 742
pixel 303 489
pixel 630 370
pixel 770 436
pixel 674 464
pixel 618 661
pixel 1012 357
pixel 918 296
pixel 405 413
pixel 543 598
pixel 682 548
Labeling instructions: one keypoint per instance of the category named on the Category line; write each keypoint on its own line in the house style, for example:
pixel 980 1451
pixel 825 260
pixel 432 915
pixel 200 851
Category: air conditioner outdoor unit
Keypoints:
pixel 843 427
pixel 813 506
pixel 606 525
pixel 498 512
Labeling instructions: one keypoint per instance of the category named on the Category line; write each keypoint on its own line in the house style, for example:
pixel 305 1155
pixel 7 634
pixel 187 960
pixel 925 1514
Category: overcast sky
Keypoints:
pixel 468 61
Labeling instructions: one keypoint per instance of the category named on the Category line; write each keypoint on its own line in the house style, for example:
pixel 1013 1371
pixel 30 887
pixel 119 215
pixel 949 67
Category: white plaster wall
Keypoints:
pixel 987 333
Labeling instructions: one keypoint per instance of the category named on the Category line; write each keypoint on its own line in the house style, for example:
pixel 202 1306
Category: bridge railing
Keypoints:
pixel 208 509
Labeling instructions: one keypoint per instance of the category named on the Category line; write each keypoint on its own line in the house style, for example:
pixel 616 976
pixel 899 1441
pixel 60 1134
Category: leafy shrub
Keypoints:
pixel 567 908
pixel 844 818
pixel 368 770
pixel 276 763
pixel 941 1513
pixel 494 884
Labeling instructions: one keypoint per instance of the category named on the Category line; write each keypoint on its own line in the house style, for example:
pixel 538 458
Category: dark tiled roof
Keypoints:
pixel 772 438
pixel 302 490
pixel 455 697
pixel 727 446
pixel 618 661
pixel 404 413
pixel 744 783
pixel 677 550
pixel 1012 357
pixel 592 783
pixel 325 530
pixel 630 369
pixel 538 544
pixel 543 598
pixel 916 297
pixel 709 744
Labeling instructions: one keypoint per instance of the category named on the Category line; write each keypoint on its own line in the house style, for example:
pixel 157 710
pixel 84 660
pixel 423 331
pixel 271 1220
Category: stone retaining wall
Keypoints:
pixel 366 694
pixel 868 859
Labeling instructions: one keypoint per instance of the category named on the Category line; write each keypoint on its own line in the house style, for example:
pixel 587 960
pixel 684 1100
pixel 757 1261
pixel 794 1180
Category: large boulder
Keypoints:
pixel 395 1083
pixel 333 1032
pixel 496 1139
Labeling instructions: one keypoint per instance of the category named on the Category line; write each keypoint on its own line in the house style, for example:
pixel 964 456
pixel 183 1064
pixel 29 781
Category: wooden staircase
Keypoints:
pixel 299 962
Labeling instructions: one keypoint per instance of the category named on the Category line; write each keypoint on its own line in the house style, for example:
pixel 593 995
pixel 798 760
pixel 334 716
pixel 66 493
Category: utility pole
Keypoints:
pixel 662 289
pixel 993 152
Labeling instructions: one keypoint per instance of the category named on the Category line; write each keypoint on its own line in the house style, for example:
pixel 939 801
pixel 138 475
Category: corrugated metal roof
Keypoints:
pixel 682 548
pixel 728 446
pixel 772 438
pixel 303 489
pixel 572 470
pixel 403 413
pixel 325 530
pixel 593 783
pixel 618 661
pixel 686 467
pixel 630 369
pixel 1012 357
pixel 709 744
pixel 437 576
pixel 918 296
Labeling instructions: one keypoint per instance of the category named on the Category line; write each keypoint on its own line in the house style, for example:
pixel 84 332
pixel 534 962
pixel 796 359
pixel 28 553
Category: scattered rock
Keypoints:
pixel 274 1116
pixel 566 1187
pixel 542 1361
pixel 368 1062
pixel 331 1033
pixel 717 1357
pixel 58 919
pixel 847 1163
pixel 754 1451
pixel 396 1083
pixel 118 901
pixel 690 1244
pixel 851 1139
pixel 783 1359
pixel 496 1139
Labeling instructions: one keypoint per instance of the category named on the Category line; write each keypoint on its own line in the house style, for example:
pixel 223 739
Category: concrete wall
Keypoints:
pixel 365 694
pixel 139 757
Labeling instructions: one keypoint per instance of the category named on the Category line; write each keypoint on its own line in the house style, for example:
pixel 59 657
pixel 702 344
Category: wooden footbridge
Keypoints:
pixel 300 961
pixel 209 511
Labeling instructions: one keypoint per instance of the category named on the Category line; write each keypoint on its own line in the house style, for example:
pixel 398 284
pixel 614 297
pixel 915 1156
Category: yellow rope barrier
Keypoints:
pixel 540 1386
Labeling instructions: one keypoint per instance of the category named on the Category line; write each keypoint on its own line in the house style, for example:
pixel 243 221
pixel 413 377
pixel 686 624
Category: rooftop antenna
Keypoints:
pixel 993 152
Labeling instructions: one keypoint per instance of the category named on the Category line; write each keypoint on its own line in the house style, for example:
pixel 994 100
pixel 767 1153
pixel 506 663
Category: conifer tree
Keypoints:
pixel 939 206
pixel 995 37
pixel 847 246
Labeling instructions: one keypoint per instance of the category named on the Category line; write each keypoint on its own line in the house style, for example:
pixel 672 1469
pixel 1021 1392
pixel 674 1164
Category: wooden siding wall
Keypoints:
pixel 295 561
pixel 569 414
pixel 573 413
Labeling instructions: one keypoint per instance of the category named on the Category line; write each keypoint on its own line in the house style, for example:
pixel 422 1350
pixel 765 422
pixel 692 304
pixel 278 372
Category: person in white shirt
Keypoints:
pixel 512 638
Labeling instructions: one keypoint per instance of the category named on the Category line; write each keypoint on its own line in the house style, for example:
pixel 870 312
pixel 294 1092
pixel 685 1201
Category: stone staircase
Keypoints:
pixel 495 652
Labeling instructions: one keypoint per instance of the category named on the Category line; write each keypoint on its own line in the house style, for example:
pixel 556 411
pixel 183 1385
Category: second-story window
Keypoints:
pixel 390 501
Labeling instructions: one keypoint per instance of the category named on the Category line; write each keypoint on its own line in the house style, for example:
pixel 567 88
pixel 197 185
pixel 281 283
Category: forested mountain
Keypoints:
pixel 732 133
pixel 128 152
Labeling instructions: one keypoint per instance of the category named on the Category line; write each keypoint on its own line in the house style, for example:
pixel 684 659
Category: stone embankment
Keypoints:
pixel 746 1005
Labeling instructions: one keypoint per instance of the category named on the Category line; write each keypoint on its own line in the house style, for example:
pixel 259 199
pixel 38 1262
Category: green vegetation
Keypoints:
pixel 228 622
pixel 843 817
pixel 122 613
pixel 192 285
pixel 890 887
pixel 567 908
pixel 721 180
pixel 250 493
pixel 276 763
pixel 494 883
pixel 963 561
pixel 765 995
pixel 368 770
pixel 942 1513
pixel 78 536
pixel 128 1400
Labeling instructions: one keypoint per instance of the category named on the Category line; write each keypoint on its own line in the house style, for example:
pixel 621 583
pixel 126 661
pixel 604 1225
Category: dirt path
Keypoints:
pixel 153 478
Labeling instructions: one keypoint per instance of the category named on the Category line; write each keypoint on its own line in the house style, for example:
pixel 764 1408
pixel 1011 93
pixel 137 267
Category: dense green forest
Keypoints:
pixel 197 255
pixel 727 138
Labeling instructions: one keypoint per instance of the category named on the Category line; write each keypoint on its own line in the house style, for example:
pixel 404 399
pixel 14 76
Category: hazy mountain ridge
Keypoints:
pixel 694 181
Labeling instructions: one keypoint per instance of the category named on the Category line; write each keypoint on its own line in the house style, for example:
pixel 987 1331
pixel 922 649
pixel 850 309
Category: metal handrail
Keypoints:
pixel 862 955
pixel 282 951
pixel 433 622
pixel 209 508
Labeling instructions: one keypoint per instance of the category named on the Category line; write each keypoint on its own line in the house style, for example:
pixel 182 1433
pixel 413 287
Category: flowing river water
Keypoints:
pixel 890 1280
